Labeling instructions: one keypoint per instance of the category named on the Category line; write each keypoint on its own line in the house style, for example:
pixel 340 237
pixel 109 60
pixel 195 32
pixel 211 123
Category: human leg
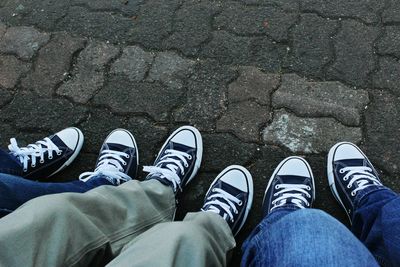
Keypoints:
pixel 205 238
pixel 293 235
pixel 373 209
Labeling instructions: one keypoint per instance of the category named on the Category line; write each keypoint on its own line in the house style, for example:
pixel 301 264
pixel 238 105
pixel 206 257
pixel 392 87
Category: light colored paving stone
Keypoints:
pixel 321 99
pixel 170 69
pixel 22 41
pixel 253 84
pixel 134 63
pixel 308 135
pixel 88 75
pixel 11 70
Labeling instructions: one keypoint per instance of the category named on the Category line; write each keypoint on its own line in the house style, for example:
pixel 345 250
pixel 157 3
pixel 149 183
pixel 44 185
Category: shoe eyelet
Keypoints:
pixel 186 165
pixel 277 186
pixel 127 156
pixel 353 194
pixel 59 153
pixel 50 157
pixel 236 212
pixel 348 187
pixel 190 157
pixel 341 171
pixel 25 170
pixel 308 188
pixel 42 161
pixel 124 163
pixel 345 178
pixel 240 203
pixel 33 165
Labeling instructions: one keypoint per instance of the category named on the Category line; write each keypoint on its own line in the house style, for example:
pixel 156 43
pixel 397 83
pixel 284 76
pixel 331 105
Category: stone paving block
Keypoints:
pixel 192 27
pixel 382 130
pixel 253 84
pixel 363 10
pixel 3 29
pixel 23 41
pixel 207 85
pixel 44 112
pixel 255 20
pixel 126 7
pixel 11 69
pixel 308 135
pixel 218 145
pixel 88 74
pixel 355 57
pixel 388 75
pixel 154 22
pixel 390 43
pixel 244 119
pixel 391 12
pixel 288 5
pixel 125 96
pixel 134 63
pixel 5 96
pixel 53 63
pixel 312 44
pixel 321 99
pixel 170 69
pixel 105 25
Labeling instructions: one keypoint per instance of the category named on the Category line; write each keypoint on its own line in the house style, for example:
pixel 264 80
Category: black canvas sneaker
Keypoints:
pixel 179 159
pixel 118 159
pixel 50 155
pixel 291 185
pixel 349 172
pixel 231 196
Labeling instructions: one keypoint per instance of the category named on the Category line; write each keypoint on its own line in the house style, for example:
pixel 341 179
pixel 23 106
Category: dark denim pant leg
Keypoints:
pixel 303 237
pixel 15 190
pixel 9 164
pixel 376 222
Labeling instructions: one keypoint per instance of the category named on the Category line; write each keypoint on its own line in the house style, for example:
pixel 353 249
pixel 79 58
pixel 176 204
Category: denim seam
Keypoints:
pixel 359 199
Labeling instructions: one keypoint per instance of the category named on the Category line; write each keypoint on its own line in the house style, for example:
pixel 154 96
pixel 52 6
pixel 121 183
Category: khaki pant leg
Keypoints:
pixel 201 239
pixel 88 229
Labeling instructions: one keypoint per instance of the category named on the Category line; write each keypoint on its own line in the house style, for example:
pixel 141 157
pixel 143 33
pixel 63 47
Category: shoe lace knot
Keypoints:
pixel 33 151
pixel 291 193
pixel 220 199
pixel 362 176
pixel 110 165
pixel 171 166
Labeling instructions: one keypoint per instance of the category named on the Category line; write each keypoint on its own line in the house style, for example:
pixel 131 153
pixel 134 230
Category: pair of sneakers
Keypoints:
pixel 230 195
pixel 349 173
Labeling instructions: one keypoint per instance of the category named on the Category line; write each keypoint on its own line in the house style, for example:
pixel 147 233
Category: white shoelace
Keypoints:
pixel 296 197
pixel 227 206
pixel 362 175
pixel 109 166
pixel 33 151
pixel 172 168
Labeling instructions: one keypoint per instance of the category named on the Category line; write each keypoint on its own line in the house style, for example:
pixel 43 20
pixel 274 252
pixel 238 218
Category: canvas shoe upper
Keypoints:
pixel 291 184
pixel 231 196
pixel 179 158
pixel 118 159
pixel 48 156
pixel 349 172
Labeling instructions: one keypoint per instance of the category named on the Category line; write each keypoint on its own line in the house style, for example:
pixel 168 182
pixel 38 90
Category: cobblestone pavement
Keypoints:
pixel 262 80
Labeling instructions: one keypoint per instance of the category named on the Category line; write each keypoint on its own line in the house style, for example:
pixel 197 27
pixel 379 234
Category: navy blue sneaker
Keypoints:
pixel 179 159
pixel 50 155
pixel 231 196
pixel 349 172
pixel 118 159
pixel 291 185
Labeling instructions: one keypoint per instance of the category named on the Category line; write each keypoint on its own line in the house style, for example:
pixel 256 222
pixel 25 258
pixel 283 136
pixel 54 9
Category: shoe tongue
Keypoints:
pixel 352 162
pixel 292 179
pixel 115 147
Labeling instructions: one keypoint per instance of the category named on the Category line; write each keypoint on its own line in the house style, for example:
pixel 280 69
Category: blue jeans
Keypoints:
pixel 308 237
pixel 15 190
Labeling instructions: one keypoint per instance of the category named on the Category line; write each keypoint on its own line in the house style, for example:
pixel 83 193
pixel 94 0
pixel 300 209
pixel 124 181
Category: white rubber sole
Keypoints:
pixel 251 189
pixel 331 177
pixel 279 167
pixel 75 154
pixel 199 151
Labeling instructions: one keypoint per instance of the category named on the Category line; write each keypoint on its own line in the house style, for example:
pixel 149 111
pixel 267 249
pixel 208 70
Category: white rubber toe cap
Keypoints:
pixel 186 135
pixel 122 137
pixel 71 137
pixel 347 150
pixel 294 166
pixel 236 177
